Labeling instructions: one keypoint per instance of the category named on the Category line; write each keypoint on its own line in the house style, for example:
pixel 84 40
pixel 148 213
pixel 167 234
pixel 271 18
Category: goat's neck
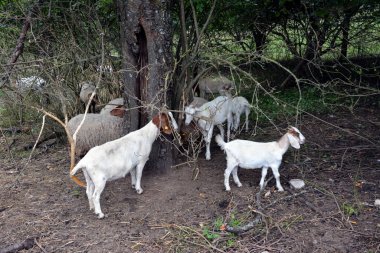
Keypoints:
pixel 151 131
pixel 283 143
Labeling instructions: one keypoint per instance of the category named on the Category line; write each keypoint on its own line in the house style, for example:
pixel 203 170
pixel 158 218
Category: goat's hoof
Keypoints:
pixel 239 185
pixel 101 215
pixel 228 189
pixel 281 189
pixel 208 158
pixel 139 191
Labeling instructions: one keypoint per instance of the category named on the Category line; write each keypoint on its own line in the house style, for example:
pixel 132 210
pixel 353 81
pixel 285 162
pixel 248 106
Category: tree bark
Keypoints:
pixel 146 38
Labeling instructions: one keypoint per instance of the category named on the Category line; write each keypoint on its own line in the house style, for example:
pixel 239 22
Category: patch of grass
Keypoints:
pixel 76 193
pixel 234 221
pixel 350 209
pixel 209 234
pixel 285 103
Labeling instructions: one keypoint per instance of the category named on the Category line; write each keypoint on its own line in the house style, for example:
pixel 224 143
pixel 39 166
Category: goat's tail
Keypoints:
pixel 74 178
pixel 220 141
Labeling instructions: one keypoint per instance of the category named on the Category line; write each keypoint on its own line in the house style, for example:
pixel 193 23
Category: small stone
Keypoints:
pixel 297 183
pixel 331 180
pixel 267 194
pixel 377 202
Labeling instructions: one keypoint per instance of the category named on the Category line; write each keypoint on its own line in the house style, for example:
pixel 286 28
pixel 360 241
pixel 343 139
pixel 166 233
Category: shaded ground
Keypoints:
pixel 340 164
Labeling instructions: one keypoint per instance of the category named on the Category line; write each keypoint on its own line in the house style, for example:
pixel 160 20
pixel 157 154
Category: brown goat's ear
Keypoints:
pixel 118 111
pixel 162 122
pixel 293 132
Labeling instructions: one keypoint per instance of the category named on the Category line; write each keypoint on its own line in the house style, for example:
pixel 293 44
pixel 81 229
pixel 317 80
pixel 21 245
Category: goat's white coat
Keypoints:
pixel 115 159
pixel 240 105
pixel 212 113
pixel 252 155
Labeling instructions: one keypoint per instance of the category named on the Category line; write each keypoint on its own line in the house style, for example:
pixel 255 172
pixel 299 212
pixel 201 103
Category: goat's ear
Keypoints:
pixel 162 122
pixel 118 111
pixel 294 141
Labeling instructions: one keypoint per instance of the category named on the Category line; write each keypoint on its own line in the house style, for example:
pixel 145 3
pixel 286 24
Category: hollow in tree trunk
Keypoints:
pixel 146 47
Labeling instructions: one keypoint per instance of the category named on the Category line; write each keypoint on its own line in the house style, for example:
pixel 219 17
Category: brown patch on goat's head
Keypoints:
pixel 293 132
pixel 297 134
pixel 162 121
pixel 118 111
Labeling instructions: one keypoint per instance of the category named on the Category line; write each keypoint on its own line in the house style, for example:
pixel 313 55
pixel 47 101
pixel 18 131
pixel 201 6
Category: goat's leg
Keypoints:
pixel 276 175
pixel 208 141
pixel 235 176
pixel 221 130
pixel 139 169
pixel 100 183
pixel 133 177
pixel 264 172
pixel 236 122
pixel 89 189
pixel 229 123
pixel 246 119
pixel 227 173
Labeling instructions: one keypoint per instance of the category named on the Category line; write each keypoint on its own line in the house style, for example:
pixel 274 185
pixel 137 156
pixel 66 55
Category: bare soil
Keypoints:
pixel 340 164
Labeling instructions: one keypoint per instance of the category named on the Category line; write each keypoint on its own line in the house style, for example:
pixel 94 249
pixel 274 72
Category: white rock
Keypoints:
pixel 377 202
pixel 297 183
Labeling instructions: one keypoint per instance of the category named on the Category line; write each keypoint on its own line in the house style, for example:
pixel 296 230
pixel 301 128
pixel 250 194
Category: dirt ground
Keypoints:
pixel 335 212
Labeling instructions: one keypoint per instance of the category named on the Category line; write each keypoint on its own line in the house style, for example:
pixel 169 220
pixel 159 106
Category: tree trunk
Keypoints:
pixel 146 38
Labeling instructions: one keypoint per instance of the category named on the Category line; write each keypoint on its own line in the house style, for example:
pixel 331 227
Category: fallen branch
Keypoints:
pixel 26 244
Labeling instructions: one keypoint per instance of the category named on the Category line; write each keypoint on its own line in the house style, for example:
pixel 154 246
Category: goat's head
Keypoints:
pixel 189 111
pixel 295 137
pixel 163 120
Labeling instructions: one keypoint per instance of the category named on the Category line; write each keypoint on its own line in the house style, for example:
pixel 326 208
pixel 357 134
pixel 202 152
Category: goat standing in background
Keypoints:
pixel 256 155
pixel 115 159
pixel 212 113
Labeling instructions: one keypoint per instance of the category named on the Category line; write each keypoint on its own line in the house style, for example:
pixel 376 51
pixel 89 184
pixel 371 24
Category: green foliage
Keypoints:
pixel 350 209
pixel 209 234
pixel 281 104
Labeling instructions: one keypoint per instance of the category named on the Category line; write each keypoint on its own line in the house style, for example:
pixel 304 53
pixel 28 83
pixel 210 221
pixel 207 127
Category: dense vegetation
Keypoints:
pixel 280 53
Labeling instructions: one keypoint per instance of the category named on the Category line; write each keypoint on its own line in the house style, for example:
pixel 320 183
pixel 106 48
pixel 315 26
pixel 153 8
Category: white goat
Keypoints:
pixel 212 113
pixel 240 105
pixel 115 159
pixel 251 155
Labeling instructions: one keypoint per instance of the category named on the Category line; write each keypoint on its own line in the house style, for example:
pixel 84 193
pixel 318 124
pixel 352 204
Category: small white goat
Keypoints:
pixel 252 155
pixel 240 105
pixel 115 159
pixel 212 113
pixel 85 93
